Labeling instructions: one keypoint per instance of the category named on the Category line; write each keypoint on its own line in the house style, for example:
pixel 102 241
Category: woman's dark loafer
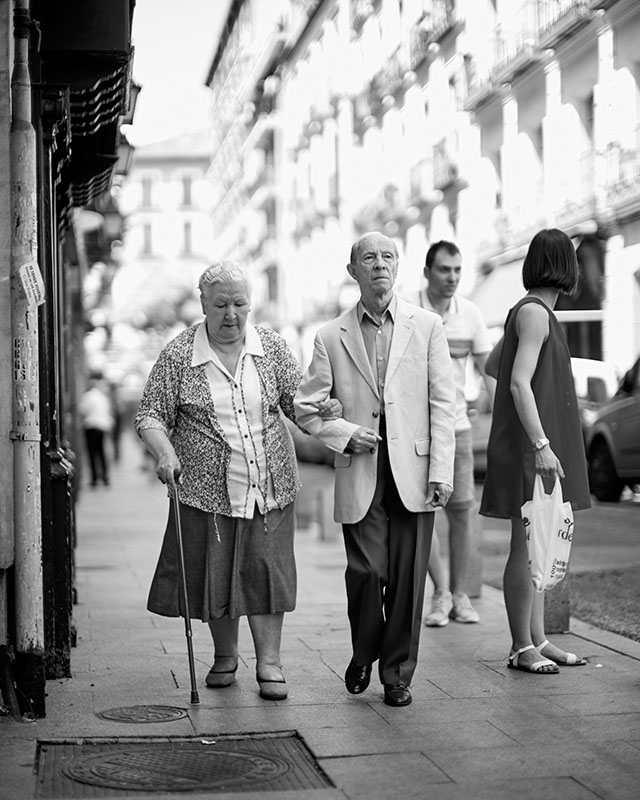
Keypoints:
pixel 220 679
pixel 273 689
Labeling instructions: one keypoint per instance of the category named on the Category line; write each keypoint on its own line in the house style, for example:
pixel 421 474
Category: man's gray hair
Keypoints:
pixel 221 272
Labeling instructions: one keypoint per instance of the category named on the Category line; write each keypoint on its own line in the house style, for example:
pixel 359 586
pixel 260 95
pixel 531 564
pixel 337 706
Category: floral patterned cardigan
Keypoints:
pixel 177 400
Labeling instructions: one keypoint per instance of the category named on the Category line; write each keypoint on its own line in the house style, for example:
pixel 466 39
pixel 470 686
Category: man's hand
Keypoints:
pixel 363 440
pixel 438 495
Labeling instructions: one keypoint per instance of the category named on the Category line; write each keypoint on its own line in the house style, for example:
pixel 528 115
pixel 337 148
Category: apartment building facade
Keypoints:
pixel 477 120
pixel 168 242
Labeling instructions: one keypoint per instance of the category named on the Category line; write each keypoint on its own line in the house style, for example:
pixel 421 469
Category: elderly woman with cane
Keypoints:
pixel 211 414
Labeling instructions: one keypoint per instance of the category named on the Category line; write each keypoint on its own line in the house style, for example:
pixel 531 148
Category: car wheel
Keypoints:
pixel 603 478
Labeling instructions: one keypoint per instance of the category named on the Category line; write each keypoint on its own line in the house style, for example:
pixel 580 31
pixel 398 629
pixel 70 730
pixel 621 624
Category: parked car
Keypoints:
pixel 595 382
pixel 613 441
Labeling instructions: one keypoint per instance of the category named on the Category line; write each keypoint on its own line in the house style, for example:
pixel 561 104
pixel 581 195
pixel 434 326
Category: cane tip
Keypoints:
pixel 195 699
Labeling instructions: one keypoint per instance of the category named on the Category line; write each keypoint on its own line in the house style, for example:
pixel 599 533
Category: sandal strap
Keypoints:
pixel 544 663
pixel 514 656
pixel 542 645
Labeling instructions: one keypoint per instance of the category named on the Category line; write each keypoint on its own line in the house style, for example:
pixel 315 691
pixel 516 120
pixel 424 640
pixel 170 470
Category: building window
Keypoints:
pixel 187 182
pixel 146 239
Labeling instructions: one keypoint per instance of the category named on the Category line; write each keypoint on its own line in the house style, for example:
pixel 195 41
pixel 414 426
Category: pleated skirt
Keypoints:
pixel 234 567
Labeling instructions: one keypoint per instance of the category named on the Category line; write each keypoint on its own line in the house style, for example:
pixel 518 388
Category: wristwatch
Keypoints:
pixel 540 443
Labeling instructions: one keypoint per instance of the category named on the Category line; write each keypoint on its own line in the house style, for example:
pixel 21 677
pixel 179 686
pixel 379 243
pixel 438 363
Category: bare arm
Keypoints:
pixel 532 326
pixel 168 467
pixel 489 381
pixel 492 362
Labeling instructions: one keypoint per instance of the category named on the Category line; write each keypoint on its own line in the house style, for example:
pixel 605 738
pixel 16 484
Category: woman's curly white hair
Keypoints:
pixel 221 272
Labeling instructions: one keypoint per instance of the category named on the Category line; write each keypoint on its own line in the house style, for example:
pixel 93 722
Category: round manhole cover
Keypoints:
pixel 143 714
pixel 174 769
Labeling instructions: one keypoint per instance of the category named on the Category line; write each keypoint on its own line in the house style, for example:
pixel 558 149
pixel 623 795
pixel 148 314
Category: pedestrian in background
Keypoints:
pixel 467 337
pixel 388 364
pixel 535 429
pixel 97 421
pixel 117 413
pixel 211 414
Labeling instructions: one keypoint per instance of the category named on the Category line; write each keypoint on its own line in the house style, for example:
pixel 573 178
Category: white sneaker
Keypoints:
pixel 463 611
pixel 441 605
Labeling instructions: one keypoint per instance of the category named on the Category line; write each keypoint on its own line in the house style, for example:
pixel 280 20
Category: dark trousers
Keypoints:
pixel 94 438
pixel 387 557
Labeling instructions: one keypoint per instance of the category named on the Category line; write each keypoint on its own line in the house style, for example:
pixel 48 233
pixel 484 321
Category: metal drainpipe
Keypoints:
pixel 30 674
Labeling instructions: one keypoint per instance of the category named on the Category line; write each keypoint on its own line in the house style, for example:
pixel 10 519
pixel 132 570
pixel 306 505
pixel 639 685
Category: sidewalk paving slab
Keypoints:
pixel 475 730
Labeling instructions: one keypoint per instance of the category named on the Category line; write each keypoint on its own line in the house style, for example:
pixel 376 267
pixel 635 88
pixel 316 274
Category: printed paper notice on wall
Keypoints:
pixel 32 283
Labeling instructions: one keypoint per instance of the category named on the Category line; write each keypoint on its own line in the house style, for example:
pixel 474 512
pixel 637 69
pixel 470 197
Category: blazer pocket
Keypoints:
pixel 422 446
pixel 342 460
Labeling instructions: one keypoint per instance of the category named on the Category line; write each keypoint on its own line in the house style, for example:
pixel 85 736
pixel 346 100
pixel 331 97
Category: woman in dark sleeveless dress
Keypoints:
pixel 535 429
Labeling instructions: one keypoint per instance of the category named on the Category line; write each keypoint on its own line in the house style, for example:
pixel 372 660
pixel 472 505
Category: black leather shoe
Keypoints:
pixel 397 694
pixel 356 678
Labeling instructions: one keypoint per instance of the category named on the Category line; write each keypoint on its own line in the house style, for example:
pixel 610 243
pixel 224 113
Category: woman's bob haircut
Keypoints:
pixel 551 262
pixel 223 272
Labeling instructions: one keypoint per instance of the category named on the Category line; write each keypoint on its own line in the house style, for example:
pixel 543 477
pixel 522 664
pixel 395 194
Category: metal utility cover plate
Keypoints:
pixel 109 767
pixel 143 714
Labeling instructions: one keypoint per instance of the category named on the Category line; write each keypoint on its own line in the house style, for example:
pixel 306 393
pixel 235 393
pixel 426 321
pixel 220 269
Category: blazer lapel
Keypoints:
pixel 403 329
pixel 354 345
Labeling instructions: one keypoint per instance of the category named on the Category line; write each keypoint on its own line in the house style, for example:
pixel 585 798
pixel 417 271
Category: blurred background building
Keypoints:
pixel 167 241
pixel 476 120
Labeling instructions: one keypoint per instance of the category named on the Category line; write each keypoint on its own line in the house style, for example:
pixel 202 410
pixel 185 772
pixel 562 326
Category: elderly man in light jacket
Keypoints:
pixel 388 364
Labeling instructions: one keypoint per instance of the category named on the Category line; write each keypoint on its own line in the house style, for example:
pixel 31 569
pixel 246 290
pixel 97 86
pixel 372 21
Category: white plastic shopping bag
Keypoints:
pixel 548 526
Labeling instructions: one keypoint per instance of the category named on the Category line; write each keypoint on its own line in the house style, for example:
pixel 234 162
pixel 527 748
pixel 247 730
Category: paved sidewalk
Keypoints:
pixel 475 729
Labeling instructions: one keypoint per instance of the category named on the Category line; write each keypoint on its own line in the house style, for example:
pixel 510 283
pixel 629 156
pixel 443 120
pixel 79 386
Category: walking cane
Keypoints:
pixel 185 597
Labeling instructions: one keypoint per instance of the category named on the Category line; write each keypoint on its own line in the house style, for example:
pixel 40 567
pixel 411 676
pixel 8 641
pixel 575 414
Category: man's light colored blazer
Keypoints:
pixel 419 395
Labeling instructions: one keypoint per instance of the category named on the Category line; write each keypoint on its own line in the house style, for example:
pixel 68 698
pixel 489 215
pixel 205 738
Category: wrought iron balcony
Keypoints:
pixel 391 79
pixel 622 171
pixel 577 189
pixel 558 19
pixel 515 44
pixel 361 10
pixel 432 27
pixel 445 163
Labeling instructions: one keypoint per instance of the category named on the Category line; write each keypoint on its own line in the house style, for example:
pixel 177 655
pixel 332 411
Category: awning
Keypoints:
pixel 86 54
pixel 499 292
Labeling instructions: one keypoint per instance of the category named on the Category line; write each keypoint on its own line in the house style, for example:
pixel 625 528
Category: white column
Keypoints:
pixel 618 311
pixel 551 135
pixel 509 166
pixel 604 114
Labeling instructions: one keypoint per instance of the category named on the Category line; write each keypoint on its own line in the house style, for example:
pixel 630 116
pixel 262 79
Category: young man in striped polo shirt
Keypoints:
pixel 467 336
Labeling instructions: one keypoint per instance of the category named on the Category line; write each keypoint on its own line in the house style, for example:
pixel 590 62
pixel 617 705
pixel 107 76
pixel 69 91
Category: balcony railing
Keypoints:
pixel 622 171
pixel 390 79
pixel 431 28
pixel 577 188
pixel 361 10
pixel 445 164
pixel 557 19
pixel 515 43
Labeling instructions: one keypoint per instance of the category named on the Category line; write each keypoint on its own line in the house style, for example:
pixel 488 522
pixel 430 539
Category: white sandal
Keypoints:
pixel 571 661
pixel 536 667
